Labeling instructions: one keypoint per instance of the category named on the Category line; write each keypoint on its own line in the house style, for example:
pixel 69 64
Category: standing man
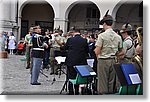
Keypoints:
pixel 107 46
pixel 128 44
pixel 77 48
pixel 57 42
pixel 48 41
pixel 28 38
pixel 37 54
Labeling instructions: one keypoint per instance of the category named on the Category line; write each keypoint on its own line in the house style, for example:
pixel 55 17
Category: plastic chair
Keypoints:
pixel 130 90
pixel 79 80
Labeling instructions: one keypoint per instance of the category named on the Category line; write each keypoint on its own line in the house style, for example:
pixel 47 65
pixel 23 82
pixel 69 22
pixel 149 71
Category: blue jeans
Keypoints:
pixel 37 62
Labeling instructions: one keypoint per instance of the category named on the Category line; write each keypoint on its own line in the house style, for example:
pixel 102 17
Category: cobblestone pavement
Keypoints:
pixel 16 79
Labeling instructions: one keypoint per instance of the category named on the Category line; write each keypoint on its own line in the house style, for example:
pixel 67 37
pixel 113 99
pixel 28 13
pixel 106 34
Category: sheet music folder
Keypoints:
pixel 127 74
pixel 85 70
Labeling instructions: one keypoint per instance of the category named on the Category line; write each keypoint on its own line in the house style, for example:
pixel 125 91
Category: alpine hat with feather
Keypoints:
pixel 106 18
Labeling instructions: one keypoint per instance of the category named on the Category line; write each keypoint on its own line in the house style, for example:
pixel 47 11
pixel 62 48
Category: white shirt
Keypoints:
pixel 128 46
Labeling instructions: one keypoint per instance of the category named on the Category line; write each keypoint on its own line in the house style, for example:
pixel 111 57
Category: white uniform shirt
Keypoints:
pixel 128 47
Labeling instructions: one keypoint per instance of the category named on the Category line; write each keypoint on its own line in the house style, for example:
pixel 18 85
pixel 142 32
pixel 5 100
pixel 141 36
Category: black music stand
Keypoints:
pixel 90 63
pixel 60 60
pixel 86 71
pixel 65 84
pixel 41 71
pixel 127 75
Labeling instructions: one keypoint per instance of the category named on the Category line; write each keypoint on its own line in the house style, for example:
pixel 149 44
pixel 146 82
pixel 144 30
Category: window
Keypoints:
pixel 24 28
pixel 92 13
pixel 88 13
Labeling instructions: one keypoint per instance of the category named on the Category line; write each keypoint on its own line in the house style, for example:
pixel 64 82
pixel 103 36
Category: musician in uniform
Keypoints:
pixel 57 42
pixel 128 44
pixel 47 40
pixel 138 57
pixel 107 46
pixel 28 38
pixel 139 47
pixel 37 54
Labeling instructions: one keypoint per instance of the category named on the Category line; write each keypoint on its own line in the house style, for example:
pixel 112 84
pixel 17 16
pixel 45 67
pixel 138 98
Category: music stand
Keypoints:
pixel 59 57
pixel 90 63
pixel 41 71
pixel 127 75
pixel 59 60
pixel 86 71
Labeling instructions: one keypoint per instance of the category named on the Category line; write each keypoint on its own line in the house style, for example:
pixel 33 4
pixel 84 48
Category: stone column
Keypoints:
pixel 6 24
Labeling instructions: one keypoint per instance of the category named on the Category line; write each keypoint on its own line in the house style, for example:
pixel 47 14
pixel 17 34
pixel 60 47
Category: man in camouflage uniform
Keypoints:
pixel 128 44
pixel 57 42
pixel 107 46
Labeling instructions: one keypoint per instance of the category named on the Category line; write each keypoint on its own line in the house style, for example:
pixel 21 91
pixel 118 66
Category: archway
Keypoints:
pixel 37 13
pixel 84 15
pixel 128 12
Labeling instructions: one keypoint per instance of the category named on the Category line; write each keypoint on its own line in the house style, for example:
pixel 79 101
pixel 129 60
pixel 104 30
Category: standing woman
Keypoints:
pixel 11 43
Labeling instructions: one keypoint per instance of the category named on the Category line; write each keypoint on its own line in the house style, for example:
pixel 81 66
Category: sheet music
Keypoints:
pixel 92 73
pixel 90 62
pixel 60 59
pixel 85 70
pixel 135 79
pixel 53 36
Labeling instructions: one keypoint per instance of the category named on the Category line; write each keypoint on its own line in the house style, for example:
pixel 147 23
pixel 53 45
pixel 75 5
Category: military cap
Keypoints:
pixel 126 27
pixel 72 29
pixel 106 18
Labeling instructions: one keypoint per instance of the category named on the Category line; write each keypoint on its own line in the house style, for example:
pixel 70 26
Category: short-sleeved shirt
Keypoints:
pixel 109 42
pixel 28 38
pixel 64 39
pixel 55 44
pixel 128 47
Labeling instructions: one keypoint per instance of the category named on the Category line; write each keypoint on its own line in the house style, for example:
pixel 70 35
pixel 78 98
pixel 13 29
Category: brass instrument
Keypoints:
pixel 139 32
pixel 138 59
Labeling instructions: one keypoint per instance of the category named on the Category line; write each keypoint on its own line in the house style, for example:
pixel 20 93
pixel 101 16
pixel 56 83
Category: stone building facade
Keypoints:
pixel 19 15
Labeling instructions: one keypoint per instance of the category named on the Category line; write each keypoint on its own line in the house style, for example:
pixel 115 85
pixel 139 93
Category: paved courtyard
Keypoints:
pixel 16 79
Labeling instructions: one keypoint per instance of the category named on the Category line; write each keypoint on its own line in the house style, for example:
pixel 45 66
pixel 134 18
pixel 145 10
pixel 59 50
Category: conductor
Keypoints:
pixel 37 54
pixel 77 48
